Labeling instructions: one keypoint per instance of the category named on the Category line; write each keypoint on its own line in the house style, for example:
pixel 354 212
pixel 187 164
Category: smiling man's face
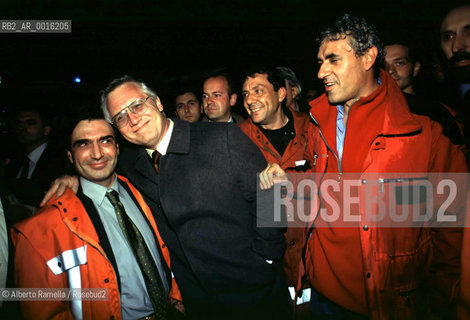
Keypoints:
pixel 94 151
pixel 341 71
pixel 146 129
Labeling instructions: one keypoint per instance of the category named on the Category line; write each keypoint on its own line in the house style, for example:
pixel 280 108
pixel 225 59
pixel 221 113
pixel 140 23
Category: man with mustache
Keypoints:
pixel 455 44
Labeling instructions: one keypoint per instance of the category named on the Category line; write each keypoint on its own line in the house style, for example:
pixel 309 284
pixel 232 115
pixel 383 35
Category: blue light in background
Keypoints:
pixel 77 80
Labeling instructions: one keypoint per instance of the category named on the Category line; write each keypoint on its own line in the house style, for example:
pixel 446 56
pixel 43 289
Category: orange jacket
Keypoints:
pixel 396 262
pixel 61 226
pixel 295 234
pixel 295 149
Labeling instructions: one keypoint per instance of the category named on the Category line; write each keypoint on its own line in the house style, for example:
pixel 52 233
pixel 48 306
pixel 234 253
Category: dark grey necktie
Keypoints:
pixel 149 269
pixel 25 168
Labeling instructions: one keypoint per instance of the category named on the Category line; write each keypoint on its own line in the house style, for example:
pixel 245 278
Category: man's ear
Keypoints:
pixel 295 92
pixel 281 93
pixel 69 155
pixel 369 58
pixel 159 104
pixel 233 99
pixel 117 148
pixel 47 130
pixel 416 68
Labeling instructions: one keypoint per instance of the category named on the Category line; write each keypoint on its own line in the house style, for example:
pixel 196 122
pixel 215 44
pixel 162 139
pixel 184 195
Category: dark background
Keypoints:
pixel 161 42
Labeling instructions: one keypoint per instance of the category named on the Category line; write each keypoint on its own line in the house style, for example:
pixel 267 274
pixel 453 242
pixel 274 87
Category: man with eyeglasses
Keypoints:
pixel 225 266
pixel 103 237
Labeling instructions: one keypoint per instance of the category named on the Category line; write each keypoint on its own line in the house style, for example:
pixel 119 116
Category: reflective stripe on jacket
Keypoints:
pixel 64 227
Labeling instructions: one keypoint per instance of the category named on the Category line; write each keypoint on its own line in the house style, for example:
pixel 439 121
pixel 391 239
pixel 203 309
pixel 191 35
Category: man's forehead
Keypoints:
pixel 126 93
pixel 186 96
pixel 259 79
pixel 455 18
pixel 28 115
pixel 335 47
pixel 220 82
pixel 396 51
pixel 92 129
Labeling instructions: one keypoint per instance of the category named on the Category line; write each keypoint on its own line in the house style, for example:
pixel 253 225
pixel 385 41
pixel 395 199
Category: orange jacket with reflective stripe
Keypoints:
pixel 65 225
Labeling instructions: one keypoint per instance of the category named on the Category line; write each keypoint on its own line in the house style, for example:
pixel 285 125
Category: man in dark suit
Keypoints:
pixel 37 162
pixel 203 195
pixel 202 192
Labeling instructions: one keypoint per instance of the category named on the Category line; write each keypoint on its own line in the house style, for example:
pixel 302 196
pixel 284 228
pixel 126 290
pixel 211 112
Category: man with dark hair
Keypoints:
pixel 103 237
pixel 367 269
pixel 403 66
pixel 281 135
pixel 218 99
pixel 293 88
pixel 39 161
pixel 225 265
pixel 188 107
pixel 455 44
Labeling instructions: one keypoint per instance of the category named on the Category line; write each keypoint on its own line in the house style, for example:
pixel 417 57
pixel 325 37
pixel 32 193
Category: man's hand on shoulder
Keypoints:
pixel 59 186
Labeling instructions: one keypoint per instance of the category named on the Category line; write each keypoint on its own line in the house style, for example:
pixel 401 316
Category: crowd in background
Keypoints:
pixel 284 117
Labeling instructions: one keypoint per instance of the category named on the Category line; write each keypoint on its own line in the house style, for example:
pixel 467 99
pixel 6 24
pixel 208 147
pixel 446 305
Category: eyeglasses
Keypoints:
pixel 139 106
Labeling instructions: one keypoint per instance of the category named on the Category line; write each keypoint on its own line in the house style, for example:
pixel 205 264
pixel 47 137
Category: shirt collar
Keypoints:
pixel 229 120
pixel 97 192
pixel 36 153
pixel 162 147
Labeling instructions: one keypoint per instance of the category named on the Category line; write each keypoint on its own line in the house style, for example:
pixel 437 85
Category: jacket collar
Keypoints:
pixel 295 117
pixel 398 119
pixel 143 164
pixel 179 141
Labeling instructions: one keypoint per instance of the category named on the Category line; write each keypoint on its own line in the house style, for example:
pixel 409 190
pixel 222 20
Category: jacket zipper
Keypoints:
pixel 397 180
pixel 329 148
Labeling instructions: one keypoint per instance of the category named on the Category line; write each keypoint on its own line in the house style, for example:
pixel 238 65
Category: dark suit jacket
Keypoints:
pixel 51 165
pixel 204 201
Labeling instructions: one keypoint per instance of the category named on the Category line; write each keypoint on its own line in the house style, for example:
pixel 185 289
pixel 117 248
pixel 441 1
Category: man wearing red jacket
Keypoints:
pixel 96 239
pixel 281 135
pixel 364 127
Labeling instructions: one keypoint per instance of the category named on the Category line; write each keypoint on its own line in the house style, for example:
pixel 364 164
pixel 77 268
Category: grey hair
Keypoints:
pixel 117 83
pixel 289 75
